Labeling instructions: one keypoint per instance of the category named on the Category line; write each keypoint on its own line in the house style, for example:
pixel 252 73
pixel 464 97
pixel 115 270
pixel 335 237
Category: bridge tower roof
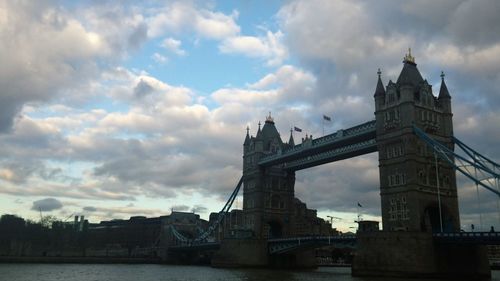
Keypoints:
pixel 409 74
pixel 269 131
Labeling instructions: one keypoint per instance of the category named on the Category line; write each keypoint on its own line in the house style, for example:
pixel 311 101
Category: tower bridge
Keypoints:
pixel 413 135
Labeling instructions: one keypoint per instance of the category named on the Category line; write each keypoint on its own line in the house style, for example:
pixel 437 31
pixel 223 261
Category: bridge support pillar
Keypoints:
pixel 254 253
pixel 299 259
pixel 241 253
pixel 415 254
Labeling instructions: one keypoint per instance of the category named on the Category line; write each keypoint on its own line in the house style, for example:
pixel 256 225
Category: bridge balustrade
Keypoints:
pixel 322 141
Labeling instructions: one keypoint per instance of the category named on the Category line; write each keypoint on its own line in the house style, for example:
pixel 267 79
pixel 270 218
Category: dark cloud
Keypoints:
pixel 475 23
pixel 138 36
pixel 142 89
pixel 180 208
pixel 46 205
pixel 89 209
pixel 199 209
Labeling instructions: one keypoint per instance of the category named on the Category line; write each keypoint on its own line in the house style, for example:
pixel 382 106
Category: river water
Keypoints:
pixel 127 272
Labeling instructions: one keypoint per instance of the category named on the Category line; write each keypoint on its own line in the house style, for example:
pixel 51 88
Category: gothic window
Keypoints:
pixel 249 185
pixel 421 176
pixel 447 181
pixel 282 204
pixel 275 183
pixel 391 97
pixel 275 201
pixel 432 175
pixel 398 209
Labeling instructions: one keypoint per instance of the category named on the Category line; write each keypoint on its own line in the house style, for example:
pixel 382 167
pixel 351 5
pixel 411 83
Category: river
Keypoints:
pixel 127 272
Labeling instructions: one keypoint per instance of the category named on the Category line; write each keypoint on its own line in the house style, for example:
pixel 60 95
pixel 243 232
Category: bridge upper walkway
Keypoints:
pixel 346 143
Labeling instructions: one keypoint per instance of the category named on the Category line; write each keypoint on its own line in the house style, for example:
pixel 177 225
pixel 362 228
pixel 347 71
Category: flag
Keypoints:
pixel 327 118
pixel 297 129
pixel 359 205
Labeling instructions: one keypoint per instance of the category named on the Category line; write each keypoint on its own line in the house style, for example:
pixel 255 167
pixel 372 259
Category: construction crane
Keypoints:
pixel 332 218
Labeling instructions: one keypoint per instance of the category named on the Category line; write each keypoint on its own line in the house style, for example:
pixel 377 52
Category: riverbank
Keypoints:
pixel 83 260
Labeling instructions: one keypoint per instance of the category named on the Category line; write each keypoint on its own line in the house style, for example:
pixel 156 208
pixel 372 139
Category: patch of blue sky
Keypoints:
pixel 71 171
pixel 252 14
pixel 204 68
pixel 107 104
pixel 124 135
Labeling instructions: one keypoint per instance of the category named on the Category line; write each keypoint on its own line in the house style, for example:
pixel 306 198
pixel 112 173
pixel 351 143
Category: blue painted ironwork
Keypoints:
pixel 483 238
pixel 284 245
pixel 445 153
pixel 191 246
pixel 478 157
pixel 357 136
pixel 202 238
pixel 337 154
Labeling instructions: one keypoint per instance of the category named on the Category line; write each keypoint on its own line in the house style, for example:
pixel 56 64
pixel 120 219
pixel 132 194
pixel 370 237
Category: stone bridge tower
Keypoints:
pixel 268 193
pixel 409 180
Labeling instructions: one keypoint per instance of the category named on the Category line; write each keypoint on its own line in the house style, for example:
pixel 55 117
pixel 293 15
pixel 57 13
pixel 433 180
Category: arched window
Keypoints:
pixel 275 201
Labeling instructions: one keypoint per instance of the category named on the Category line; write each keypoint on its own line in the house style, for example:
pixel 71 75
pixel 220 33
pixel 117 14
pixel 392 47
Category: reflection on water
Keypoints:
pixel 125 272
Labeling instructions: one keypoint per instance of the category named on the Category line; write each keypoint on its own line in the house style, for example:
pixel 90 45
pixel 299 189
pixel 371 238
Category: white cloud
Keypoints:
pixel 269 47
pixel 159 58
pixel 173 46
pixel 184 16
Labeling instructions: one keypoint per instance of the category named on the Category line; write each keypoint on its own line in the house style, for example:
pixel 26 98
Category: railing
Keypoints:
pixel 338 152
pixel 283 245
pixel 484 238
pixel 322 141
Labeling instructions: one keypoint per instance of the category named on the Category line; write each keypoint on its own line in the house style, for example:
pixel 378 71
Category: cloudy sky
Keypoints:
pixel 111 109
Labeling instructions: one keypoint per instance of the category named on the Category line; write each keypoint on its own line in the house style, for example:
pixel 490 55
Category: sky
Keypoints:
pixel 111 109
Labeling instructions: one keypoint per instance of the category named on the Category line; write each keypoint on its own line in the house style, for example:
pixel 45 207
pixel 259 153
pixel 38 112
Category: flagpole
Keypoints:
pixel 323 125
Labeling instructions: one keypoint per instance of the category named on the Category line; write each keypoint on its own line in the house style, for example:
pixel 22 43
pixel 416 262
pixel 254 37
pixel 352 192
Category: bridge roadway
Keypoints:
pixel 284 245
pixel 347 143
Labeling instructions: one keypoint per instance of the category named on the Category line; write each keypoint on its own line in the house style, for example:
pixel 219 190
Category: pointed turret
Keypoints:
pixel 380 90
pixel 259 132
pixel 247 138
pixel 291 142
pixel 443 91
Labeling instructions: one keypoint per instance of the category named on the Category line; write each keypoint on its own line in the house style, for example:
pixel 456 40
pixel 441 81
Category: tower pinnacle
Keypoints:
pixel 409 58
pixel 379 90
pixel 443 91
pixel 269 118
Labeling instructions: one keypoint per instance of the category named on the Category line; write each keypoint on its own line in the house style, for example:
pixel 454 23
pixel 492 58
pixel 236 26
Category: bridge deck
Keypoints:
pixel 484 238
pixel 340 145
pixel 283 245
